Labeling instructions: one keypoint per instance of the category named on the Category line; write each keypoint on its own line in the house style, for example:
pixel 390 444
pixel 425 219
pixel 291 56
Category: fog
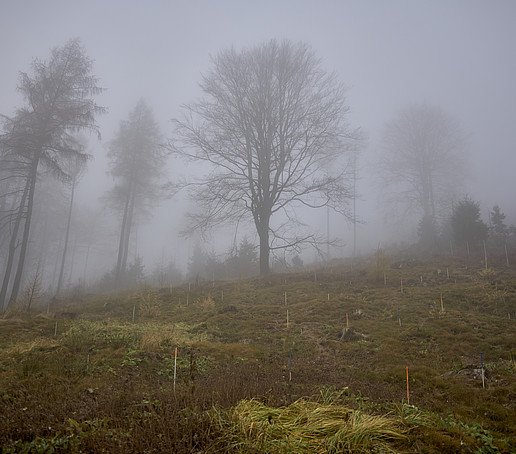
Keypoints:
pixel 458 56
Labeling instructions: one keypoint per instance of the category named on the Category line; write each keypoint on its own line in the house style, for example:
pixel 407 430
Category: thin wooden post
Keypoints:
pixel 175 369
pixel 290 365
pixel 408 393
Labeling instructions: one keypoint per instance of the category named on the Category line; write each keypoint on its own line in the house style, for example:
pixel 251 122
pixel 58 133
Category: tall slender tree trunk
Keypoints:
pixel 118 271
pixel 26 231
pixel 129 224
pixel 86 263
pixel 72 262
pixel 67 235
pixel 12 247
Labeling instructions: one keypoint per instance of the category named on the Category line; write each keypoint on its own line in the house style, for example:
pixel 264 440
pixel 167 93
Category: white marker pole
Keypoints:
pixel 175 368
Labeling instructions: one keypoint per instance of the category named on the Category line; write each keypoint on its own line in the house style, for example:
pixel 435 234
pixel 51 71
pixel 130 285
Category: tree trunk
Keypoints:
pixel 12 247
pixel 61 272
pixel 263 234
pixel 118 272
pixel 26 232
pixel 129 224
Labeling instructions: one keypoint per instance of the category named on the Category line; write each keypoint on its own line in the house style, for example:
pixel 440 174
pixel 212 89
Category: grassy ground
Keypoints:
pixel 84 376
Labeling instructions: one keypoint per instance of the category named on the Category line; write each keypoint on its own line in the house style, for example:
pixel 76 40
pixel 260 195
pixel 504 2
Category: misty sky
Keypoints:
pixel 459 55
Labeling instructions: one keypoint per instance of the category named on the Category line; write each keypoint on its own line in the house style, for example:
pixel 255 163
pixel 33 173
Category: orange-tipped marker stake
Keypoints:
pixel 408 393
pixel 347 320
pixel 442 306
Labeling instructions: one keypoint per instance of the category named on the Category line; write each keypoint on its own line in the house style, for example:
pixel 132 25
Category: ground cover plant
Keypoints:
pixel 100 374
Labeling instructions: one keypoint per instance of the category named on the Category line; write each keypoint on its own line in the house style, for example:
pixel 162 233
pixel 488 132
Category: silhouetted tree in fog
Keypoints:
pixel 467 226
pixel 137 159
pixel 421 165
pixel 272 127
pixel 498 231
pixel 59 95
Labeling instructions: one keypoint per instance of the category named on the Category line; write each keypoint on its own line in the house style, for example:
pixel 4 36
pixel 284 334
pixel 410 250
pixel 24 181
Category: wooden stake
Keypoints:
pixel 55 330
pixel 347 320
pixel 442 305
pixel 187 298
pixel 506 255
pixel 485 253
pixel 287 318
pixel 328 297
pixel 222 295
pixel 290 365
pixel 134 309
pixel 175 369
pixel 408 393
pixel 285 298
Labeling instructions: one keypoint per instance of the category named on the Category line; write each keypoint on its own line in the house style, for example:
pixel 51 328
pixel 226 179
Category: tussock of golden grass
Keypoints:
pixel 38 344
pixel 306 427
pixel 155 336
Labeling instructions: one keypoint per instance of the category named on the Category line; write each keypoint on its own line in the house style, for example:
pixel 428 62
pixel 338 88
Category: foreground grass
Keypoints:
pixel 98 374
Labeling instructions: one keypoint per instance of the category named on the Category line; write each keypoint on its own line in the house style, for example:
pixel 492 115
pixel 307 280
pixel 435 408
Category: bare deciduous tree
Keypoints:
pixel 421 166
pixel 272 128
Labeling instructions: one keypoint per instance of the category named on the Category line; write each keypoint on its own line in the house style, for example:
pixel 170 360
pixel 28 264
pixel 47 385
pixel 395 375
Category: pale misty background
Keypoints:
pixel 459 56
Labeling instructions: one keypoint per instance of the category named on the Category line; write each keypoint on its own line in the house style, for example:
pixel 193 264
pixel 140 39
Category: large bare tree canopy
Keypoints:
pixel 272 126
pixel 422 165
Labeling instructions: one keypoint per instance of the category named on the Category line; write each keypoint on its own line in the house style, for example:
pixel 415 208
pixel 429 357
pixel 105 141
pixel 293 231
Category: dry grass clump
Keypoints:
pixel 37 344
pixel 149 303
pixel 306 427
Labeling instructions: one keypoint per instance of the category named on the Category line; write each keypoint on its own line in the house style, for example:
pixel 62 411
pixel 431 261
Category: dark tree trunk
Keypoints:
pixel 26 231
pixel 118 272
pixel 12 247
pixel 129 224
pixel 67 235
pixel 263 233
